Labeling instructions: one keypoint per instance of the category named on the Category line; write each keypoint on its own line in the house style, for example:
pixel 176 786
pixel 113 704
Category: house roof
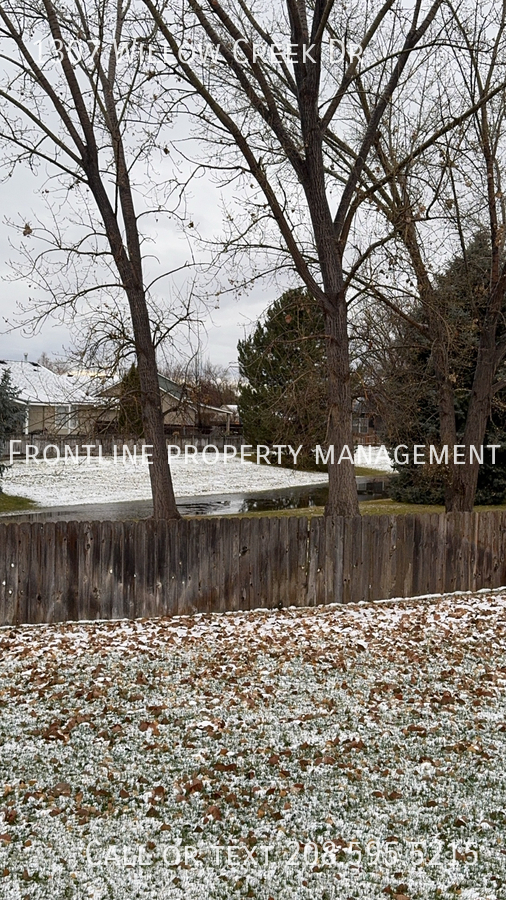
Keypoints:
pixel 170 387
pixel 38 385
pixel 178 392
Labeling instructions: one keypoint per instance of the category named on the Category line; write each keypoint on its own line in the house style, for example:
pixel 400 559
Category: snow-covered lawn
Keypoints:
pixel 68 483
pixel 106 482
pixel 354 752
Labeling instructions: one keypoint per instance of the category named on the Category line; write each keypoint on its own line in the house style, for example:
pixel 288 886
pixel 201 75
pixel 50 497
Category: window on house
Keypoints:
pixel 361 424
pixel 73 419
pixel 61 418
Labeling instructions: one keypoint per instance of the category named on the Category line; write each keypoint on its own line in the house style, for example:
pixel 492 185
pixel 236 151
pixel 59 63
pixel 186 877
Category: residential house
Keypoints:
pixel 180 410
pixel 84 402
pixel 55 405
pixel 365 422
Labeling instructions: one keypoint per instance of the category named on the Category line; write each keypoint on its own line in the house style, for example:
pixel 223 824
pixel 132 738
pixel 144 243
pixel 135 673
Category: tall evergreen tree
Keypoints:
pixel 285 398
pixel 407 389
pixel 12 414
pixel 130 404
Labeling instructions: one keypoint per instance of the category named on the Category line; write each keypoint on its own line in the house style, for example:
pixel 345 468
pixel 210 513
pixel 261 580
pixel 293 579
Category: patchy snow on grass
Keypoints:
pixel 374 457
pixel 338 752
pixel 68 483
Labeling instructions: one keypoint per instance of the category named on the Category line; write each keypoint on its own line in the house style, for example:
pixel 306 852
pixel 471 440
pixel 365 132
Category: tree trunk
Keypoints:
pixel 465 477
pixel 164 501
pixel 342 499
pixel 462 490
pixel 130 271
pixel 446 404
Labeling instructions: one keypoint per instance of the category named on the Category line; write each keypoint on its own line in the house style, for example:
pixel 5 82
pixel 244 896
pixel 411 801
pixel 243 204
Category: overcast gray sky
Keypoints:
pixel 224 325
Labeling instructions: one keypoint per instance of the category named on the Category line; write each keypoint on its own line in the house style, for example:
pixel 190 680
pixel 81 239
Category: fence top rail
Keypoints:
pixel 35 518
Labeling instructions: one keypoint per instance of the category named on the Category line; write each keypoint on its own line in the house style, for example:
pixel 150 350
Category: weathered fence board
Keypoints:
pixel 11 568
pixel 66 571
pixel 301 582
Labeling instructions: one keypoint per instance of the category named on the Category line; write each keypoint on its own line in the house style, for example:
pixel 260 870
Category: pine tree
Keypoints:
pixel 285 398
pixel 408 390
pixel 11 414
pixel 130 404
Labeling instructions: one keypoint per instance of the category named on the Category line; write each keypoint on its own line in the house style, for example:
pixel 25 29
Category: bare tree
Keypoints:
pixel 104 337
pixel 434 203
pixel 276 111
pixel 87 116
pixel 55 364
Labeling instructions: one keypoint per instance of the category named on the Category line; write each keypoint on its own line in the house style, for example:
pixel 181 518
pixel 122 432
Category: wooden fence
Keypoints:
pixel 66 571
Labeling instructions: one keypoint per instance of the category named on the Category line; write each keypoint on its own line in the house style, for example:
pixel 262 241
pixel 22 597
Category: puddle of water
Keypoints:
pixel 228 504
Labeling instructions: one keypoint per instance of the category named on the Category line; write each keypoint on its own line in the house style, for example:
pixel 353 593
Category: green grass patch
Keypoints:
pixel 309 511
pixel 384 507
pixel 392 508
pixel 11 503
pixel 367 508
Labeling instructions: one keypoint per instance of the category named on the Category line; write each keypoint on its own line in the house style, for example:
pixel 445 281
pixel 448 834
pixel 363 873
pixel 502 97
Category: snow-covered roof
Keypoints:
pixel 40 386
